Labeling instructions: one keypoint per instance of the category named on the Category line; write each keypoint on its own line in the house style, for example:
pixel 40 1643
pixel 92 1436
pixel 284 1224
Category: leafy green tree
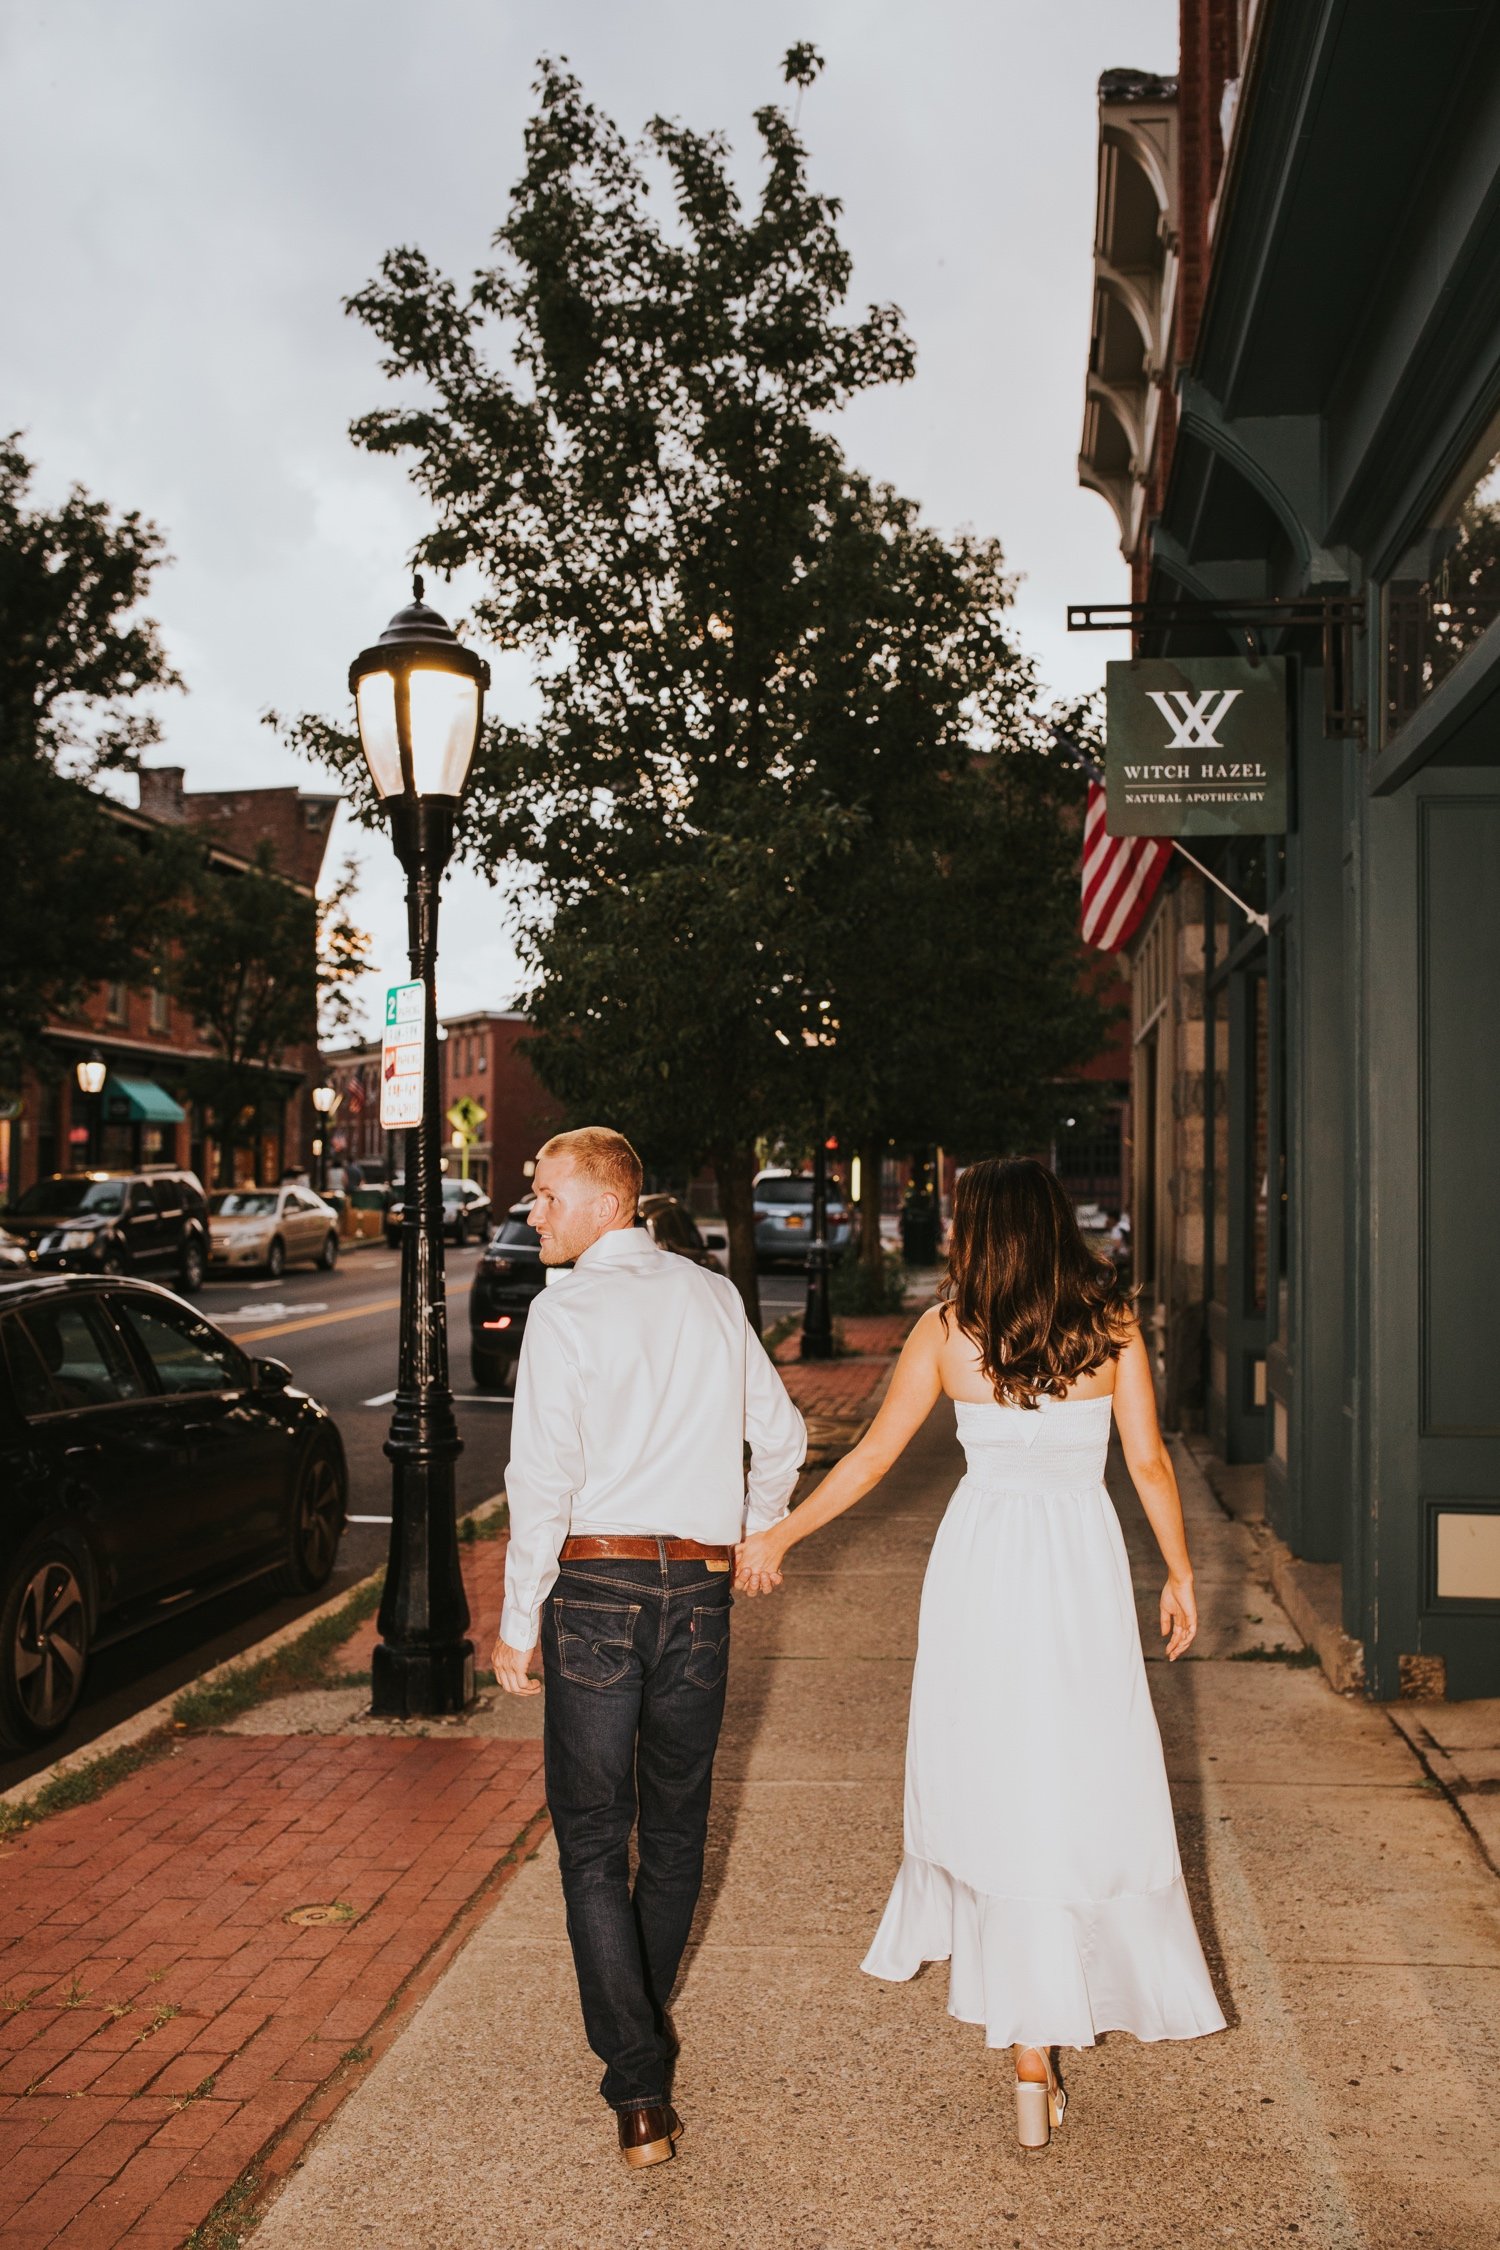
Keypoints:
pixel 768 693
pixel 624 425
pixel 73 655
pixel 84 898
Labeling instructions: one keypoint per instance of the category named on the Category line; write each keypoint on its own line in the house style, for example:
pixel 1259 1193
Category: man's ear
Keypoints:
pixel 609 1205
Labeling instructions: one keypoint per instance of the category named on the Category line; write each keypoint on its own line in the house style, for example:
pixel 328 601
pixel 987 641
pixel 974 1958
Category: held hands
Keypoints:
pixel 1179 1615
pixel 757 1563
pixel 513 1668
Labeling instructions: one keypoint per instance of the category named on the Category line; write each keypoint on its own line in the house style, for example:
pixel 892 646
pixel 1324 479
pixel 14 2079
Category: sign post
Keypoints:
pixel 1196 746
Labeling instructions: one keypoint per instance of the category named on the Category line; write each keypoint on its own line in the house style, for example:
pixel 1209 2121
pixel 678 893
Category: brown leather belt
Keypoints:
pixel 642 1550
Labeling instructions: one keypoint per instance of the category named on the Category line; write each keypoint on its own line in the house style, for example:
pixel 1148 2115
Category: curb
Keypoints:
pixel 158 1716
pixel 1291 1581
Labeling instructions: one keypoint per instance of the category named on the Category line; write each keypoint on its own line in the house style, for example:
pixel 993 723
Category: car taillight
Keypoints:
pixel 501 1265
pixel 502 1322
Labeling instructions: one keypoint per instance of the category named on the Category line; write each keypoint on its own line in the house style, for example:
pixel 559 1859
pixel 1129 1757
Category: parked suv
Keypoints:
pixel 510 1275
pixel 153 1222
pixel 783 1219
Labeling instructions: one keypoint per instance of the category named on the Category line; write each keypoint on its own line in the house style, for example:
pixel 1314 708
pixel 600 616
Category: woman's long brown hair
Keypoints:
pixel 1023 1284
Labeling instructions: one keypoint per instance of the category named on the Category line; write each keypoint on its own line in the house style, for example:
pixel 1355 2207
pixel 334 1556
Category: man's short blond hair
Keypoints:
pixel 605 1158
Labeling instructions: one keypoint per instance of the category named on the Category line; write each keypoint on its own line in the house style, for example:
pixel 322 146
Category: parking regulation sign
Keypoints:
pixel 401 1057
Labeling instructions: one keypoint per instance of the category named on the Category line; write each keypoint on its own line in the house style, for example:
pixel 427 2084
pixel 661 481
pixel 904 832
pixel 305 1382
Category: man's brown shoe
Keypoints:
pixel 647 2134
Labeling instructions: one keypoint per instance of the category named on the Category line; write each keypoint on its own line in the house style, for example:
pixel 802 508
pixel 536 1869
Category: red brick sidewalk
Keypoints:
pixel 165 2024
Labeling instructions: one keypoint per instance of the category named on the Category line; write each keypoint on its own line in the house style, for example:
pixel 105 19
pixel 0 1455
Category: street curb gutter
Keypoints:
pixel 156 1718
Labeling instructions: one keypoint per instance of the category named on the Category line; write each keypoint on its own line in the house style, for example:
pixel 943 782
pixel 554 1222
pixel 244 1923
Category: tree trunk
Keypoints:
pixel 734 1170
pixel 871 1171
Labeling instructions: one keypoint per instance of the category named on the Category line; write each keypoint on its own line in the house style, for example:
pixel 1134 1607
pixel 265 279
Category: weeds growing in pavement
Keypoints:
pixel 227 2223
pixel 303 1662
pixel 164 2012
pixel 75 1996
pixel 80 1785
pixel 298 1664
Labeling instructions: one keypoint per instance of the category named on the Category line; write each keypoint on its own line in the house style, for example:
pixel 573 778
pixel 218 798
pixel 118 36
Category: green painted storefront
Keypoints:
pixel 1338 436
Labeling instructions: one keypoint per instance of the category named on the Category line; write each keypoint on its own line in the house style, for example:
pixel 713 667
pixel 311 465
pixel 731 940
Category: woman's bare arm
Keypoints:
pixel 1155 1481
pixel 914 1391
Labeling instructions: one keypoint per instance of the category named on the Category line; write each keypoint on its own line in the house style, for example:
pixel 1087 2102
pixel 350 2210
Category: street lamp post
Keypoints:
pixel 419 695
pixel 91 1074
pixel 324 1100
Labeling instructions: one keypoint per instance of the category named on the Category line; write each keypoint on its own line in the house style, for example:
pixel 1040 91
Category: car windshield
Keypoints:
pixel 517 1235
pixel 67 1195
pixel 783 1191
pixel 243 1203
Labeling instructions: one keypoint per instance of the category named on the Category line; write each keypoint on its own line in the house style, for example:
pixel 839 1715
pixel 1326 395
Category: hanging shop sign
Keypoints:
pixel 1196 746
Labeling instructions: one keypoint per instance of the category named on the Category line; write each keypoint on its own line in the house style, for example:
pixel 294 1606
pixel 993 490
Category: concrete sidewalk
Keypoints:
pixel 1350 1920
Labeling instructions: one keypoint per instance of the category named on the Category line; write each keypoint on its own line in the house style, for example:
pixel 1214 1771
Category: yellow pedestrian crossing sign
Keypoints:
pixel 466 1116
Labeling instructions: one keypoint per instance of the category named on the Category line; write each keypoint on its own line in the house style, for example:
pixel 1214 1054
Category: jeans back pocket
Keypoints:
pixel 708 1659
pixel 594 1640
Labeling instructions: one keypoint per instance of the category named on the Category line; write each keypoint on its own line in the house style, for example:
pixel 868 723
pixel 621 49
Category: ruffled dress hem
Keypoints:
pixel 1040 1972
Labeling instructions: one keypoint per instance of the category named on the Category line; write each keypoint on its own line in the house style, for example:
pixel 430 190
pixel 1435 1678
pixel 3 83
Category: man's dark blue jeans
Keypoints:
pixel 636 1655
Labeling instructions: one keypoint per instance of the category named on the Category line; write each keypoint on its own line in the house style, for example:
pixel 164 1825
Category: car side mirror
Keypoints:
pixel 271 1374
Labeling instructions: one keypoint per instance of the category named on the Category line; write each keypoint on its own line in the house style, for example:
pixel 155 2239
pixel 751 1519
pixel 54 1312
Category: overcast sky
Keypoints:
pixel 193 187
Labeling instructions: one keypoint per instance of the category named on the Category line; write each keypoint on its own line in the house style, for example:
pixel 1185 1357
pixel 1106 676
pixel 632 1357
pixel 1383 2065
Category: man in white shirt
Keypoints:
pixel 640 1382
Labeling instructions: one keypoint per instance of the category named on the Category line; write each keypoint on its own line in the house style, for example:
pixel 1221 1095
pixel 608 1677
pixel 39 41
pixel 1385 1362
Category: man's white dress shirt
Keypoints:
pixel 639 1383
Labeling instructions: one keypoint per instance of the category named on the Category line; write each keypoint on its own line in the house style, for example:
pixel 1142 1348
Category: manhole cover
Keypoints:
pixel 316 1917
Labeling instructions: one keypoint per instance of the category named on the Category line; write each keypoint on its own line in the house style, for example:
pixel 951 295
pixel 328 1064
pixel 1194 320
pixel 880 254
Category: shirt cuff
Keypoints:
pixel 760 1515
pixel 520 1628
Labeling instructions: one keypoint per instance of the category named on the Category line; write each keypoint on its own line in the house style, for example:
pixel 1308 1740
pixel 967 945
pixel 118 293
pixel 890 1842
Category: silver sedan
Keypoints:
pixel 271 1227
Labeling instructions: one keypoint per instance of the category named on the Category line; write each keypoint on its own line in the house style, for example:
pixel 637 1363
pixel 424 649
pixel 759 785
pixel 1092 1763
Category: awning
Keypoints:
pixel 139 1101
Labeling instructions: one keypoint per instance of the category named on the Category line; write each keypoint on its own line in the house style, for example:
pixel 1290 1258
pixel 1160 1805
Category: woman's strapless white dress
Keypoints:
pixel 1041 1856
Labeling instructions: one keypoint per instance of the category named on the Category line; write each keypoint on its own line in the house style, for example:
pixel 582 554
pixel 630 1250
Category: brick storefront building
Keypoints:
pixel 145 1114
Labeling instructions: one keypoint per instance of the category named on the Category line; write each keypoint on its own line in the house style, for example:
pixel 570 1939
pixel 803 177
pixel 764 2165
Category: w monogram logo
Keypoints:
pixel 1196 717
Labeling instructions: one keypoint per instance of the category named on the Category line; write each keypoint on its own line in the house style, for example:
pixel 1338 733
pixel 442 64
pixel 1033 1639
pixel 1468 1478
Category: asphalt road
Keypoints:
pixel 338 1334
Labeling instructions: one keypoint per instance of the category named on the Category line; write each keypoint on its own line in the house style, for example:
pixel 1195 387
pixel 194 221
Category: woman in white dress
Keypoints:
pixel 1041 1857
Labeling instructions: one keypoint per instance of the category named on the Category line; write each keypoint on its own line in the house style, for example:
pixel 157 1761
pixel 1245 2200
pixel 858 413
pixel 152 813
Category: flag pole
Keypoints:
pixel 1080 757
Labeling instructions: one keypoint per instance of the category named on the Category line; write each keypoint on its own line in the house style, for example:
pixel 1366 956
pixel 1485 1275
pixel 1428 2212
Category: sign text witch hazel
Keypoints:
pixel 1196 746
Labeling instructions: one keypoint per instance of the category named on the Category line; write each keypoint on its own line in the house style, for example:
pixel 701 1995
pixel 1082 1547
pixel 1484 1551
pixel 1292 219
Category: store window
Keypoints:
pixel 161 1008
pixel 114 1002
pixel 1447 592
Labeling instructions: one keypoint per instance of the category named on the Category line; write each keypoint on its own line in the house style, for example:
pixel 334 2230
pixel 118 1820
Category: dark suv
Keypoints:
pixel 510 1275
pixel 153 1222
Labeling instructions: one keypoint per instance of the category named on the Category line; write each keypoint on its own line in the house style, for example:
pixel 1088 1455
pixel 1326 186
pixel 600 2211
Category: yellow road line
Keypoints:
pixel 327 1319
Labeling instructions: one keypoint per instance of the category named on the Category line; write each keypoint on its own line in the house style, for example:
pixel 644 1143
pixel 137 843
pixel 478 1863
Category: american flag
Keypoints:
pixel 1120 877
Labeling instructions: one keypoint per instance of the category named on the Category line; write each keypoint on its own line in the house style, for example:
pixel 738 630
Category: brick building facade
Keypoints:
pixel 145 1113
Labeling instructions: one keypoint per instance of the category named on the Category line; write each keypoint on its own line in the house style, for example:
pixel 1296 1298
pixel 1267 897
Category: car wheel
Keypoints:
pixel 190 1276
pixel 316 1524
pixel 276 1259
pixel 328 1256
pixel 111 1260
pixel 44 1646
pixel 460 1233
pixel 492 1371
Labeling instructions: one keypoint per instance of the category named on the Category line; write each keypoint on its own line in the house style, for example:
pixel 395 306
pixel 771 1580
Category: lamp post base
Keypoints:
pixel 421 1683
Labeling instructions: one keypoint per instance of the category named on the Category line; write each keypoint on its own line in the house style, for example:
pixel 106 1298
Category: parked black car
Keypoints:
pixel 466 1212
pixel 152 1222
pixel 146 1462
pixel 511 1274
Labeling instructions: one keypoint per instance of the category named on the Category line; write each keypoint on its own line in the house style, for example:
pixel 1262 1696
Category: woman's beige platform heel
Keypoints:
pixel 1040 2104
